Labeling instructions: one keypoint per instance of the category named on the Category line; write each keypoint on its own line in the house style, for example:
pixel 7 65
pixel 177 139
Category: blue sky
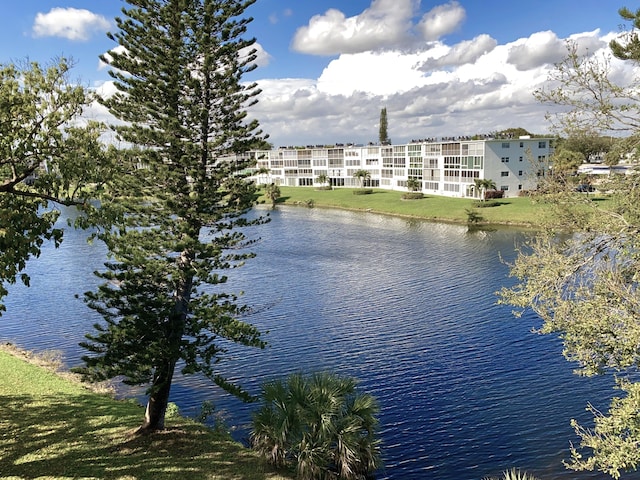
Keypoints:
pixel 327 67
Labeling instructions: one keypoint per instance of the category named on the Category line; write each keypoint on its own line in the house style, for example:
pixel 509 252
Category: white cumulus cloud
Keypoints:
pixel 385 24
pixel 539 49
pixel 442 20
pixel 543 48
pixel 467 51
pixel 376 73
pixel 70 23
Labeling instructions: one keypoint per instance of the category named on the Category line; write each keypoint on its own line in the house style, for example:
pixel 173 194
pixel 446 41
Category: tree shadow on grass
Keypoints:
pixel 76 436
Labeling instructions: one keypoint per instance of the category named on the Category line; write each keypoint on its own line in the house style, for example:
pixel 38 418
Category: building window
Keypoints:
pixel 504 188
pixel 520 159
pixel 521 144
pixel 319 153
pixel 519 173
pixel 399 150
pixel 450 149
pixel 452 162
pixel 431 174
pixel 399 162
pixel 542 144
pixel 506 144
pixel 504 174
pixel 505 159
pixel 519 187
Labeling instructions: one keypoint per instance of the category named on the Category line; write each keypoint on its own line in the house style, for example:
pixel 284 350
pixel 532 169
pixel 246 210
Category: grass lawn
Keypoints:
pixel 510 211
pixel 520 211
pixel 54 428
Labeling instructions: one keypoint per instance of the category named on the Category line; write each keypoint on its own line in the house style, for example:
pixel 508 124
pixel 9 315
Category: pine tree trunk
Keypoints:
pixel 158 400
pixel 159 396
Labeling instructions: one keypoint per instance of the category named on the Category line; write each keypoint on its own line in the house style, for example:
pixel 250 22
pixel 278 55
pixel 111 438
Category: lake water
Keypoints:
pixel 408 307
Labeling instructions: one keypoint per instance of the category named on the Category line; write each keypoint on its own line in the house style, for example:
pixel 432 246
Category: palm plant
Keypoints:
pixel 273 427
pixel 362 175
pixel 484 184
pixel 320 425
pixel 513 474
pixel 272 192
pixel 263 172
pixel 322 179
pixel 413 184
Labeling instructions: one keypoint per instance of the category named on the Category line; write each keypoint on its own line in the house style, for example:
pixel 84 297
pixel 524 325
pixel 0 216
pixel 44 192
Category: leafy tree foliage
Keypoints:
pixel 383 135
pixel 320 425
pixel 581 274
pixel 513 132
pixel 588 144
pixel 174 215
pixel 46 158
pixel 628 47
pixel 565 161
pixel 260 144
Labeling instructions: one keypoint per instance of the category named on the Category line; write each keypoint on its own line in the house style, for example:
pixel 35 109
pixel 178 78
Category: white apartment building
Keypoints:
pixel 445 167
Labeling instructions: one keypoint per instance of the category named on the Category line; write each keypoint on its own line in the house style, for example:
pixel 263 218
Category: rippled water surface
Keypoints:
pixel 408 307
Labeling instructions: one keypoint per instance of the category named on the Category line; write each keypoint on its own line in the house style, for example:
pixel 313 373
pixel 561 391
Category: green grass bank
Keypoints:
pixel 54 428
pixel 519 211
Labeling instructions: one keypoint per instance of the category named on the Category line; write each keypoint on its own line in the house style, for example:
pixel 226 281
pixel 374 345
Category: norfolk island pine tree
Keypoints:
pixel 173 220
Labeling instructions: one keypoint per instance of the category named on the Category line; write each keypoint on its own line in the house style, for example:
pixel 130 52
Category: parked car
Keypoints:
pixel 584 188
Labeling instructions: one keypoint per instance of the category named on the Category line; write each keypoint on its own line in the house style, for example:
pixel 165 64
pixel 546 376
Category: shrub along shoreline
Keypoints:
pixel 51 426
